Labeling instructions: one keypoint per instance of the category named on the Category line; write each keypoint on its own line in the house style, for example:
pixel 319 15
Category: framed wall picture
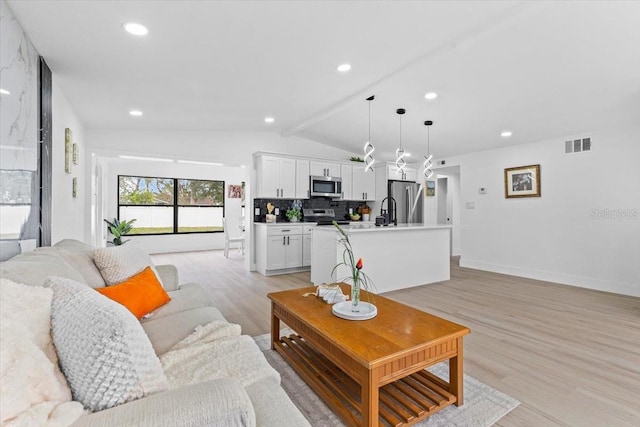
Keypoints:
pixel 522 181
pixel 74 187
pixel 235 192
pixel 75 154
pixel 67 150
pixel 430 189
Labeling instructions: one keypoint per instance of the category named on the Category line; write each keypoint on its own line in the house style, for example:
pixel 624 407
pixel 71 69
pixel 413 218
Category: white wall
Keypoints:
pixel 69 216
pixel 558 237
pixel 231 148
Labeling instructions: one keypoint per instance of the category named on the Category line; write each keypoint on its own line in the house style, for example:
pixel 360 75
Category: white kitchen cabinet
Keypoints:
pixel 346 173
pixel 276 253
pixel 279 248
pixel 306 245
pixel 358 184
pixel 284 252
pixel 364 184
pixel 276 177
pixel 302 179
pixel 319 168
pixel 410 173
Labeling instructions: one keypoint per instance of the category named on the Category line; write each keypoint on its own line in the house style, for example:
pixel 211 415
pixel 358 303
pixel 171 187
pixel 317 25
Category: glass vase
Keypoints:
pixel 355 296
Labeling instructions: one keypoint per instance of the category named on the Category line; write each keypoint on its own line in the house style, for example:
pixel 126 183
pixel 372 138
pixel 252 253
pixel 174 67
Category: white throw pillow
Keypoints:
pixel 118 263
pixel 104 353
pixel 31 385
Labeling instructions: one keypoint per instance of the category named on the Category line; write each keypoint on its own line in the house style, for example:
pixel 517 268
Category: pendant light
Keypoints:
pixel 400 163
pixel 427 159
pixel 368 147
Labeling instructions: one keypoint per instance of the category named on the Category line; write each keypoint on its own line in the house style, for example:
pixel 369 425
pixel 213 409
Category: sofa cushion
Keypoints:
pixel 80 255
pixel 141 294
pixel 272 405
pixel 33 268
pixel 33 388
pixel 220 403
pixel 167 331
pixel 189 296
pixel 118 263
pixel 103 351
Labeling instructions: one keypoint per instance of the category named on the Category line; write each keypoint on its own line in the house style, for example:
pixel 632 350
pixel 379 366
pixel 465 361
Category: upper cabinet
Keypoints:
pixel 410 173
pixel 287 177
pixel 364 184
pixel 356 183
pixel 276 177
pixel 302 179
pixel 346 173
pixel 321 168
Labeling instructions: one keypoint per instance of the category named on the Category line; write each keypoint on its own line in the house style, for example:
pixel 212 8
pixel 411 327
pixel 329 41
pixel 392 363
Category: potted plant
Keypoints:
pixel 356 276
pixel 293 214
pixel 118 229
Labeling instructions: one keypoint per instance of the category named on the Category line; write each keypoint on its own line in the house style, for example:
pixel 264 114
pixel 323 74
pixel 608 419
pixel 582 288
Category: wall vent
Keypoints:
pixel 577 145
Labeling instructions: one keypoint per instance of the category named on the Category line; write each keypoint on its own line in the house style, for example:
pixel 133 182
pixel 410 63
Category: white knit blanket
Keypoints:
pixel 33 390
pixel 216 350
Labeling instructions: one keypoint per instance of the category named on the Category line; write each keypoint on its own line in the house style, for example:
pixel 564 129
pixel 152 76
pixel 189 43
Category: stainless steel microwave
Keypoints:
pixel 326 186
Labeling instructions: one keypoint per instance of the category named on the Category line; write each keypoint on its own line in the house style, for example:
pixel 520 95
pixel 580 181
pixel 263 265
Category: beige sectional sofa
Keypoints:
pixel 220 402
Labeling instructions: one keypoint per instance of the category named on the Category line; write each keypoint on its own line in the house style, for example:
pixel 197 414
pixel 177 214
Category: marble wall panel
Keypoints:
pixel 19 97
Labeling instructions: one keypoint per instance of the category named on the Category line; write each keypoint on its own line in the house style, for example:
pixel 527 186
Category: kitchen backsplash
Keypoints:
pixel 340 207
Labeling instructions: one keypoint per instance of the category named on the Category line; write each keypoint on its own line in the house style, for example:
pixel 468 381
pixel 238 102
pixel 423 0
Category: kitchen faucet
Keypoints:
pixel 395 209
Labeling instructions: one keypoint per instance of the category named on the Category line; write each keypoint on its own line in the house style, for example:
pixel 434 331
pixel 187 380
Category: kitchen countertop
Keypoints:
pixel 370 227
pixel 293 224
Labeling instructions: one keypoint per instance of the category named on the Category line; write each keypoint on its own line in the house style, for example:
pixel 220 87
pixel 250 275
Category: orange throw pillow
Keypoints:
pixel 141 293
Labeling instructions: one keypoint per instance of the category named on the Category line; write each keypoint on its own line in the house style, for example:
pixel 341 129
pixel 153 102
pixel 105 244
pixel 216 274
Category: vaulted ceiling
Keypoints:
pixel 539 69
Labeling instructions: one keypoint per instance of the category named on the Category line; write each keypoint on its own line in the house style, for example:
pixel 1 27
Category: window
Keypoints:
pixel 170 205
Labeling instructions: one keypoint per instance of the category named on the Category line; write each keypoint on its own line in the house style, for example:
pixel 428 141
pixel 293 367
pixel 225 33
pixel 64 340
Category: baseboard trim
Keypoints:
pixel 561 278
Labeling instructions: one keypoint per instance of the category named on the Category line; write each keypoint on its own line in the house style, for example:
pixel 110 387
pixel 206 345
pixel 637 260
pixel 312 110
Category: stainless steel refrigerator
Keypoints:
pixel 409 201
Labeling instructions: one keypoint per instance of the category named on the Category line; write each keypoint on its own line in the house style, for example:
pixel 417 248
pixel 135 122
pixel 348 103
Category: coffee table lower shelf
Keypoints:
pixel 402 403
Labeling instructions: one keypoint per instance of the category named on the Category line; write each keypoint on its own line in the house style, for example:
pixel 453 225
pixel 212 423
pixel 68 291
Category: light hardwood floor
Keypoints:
pixel 570 355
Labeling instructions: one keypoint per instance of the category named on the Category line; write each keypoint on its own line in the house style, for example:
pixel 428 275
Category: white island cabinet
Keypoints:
pixel 397 257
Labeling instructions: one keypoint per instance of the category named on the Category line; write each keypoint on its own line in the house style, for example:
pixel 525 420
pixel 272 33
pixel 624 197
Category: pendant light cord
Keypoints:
pixel 369 121
pixel 400 132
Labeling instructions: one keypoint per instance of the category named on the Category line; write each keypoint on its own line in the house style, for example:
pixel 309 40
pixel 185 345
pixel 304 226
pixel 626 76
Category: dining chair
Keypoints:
pixel 228 239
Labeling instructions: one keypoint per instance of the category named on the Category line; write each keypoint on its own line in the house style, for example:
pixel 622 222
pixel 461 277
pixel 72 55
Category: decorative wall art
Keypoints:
pixel 522 181
pixel 235 191
pixel 242 193
pixel 430 189
pixel 67 150
pixel 74 187
pixel 75 154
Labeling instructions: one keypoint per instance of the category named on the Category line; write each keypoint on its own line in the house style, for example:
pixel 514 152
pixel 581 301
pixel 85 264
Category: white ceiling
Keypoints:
pixel 540 69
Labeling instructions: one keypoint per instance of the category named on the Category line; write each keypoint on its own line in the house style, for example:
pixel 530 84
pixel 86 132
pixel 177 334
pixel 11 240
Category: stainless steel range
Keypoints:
pixel 321 216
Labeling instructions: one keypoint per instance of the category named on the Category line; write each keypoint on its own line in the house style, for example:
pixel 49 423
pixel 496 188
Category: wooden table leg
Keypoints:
pixel 275 327
pixel 370 399
pixel 456 375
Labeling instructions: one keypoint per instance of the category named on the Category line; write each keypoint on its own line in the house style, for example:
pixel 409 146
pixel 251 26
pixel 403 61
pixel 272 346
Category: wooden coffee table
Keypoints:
pixel 370 371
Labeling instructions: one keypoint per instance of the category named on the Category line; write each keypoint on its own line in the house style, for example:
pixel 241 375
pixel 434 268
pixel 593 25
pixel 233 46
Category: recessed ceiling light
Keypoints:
pixel 506 134
pixel 5 92
pixel 135 28
pixel 136 113
pixel 407 154
pixel 431 95
pixel 344 68
pixel 269 120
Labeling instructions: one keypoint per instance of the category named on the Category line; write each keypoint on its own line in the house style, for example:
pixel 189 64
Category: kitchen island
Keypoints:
pixel 394 257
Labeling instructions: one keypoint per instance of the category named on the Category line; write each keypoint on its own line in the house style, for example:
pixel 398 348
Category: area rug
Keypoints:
pixel 483 405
